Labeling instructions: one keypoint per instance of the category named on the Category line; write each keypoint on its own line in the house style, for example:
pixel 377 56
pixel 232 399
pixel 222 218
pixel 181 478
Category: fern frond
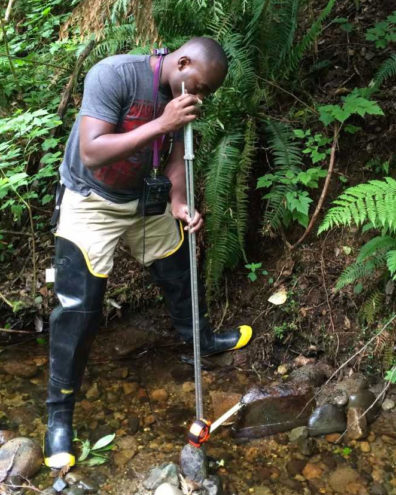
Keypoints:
pixel 372 306
pixel 287 157
pixel 386 71
pixel 310 36
pixel 374 201
pixel 241 190
pixel 391 262
pixel 223 244
pixel 379 243
pixel 358 271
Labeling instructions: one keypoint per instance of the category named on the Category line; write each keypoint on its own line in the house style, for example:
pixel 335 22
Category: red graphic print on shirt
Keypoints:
pixel 129 172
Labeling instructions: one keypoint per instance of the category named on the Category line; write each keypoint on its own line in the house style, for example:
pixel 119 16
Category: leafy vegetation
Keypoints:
pixel 370 206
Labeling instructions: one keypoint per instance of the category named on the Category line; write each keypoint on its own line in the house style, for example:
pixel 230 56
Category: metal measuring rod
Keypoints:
pixel 188 161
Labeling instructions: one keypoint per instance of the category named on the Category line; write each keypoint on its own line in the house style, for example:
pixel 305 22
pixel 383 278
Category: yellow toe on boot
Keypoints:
pixel 246 334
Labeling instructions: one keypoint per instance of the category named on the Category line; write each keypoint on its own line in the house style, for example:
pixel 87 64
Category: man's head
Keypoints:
pixel 201 63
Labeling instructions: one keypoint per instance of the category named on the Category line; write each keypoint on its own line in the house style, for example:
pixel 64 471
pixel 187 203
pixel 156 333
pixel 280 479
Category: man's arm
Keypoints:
pixel 176 172
pixel 101 145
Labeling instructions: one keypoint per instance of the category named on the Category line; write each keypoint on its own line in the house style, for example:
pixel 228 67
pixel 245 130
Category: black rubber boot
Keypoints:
pixel 73 326
pixel 173 276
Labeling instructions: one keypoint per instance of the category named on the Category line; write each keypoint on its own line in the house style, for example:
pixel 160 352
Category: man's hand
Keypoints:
pixel 180 212
pixel 179 112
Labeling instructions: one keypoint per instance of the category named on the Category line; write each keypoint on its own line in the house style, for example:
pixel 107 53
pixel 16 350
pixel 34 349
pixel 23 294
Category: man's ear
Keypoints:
pixel 183 62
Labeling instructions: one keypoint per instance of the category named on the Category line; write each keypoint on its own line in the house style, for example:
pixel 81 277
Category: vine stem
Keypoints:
pixel 324 190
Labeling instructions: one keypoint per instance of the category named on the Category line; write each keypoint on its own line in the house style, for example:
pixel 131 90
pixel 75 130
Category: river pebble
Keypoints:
pixel 356 423
pixel 213 485
pixel 388 404
pixel 193 463
pixel 20 368
pixel 167 489
pixel 159 395
pixel 166 473
pixel 341 477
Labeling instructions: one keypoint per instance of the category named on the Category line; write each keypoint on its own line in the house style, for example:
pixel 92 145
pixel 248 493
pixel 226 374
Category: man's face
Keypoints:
pixel 201 79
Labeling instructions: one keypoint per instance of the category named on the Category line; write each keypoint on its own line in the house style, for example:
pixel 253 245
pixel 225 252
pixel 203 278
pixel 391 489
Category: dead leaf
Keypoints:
pixel 279 297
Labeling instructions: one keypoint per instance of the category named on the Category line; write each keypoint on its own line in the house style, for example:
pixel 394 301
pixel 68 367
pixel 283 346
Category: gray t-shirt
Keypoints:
pixel 118 90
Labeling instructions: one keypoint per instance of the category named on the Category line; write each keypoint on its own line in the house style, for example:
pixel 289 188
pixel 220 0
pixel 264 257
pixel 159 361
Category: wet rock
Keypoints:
pixel 93 392
pixel 20 457
pixel 385 424
pixel 273 410
pixel 123 457
pixel 159 395
pixel 73 490
pixel 311 374
pixel 307 446
pixel 388 404
pixel 365 447
pixel 59 484
pixel 188 387
pixel 49 491
pixel 356 423
pixel 333 437
pixel 329 460
pixel 377 489
pixel 167 489
pixel 88 485
pixel 353 384
pixel 222 402
pixel 133 423
pixel 193 463
pixel 262 490
pixel 133 339
pixel 130 387
pixel 6 435
pixel 363 399
pixel 312 471
pixel 20 368
pixel 339 398
pixel 166 473
pixel 326 419
pixel 213 485
pixel 296 433
pixel 128 443
pixel 295 466
pixel 341 477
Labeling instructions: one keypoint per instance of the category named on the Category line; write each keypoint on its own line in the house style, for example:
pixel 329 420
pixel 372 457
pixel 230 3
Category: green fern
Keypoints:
pixel 372 307
pixel 358 271
pixel 287 157
pixel 221 223
pixel 374 202
pixel 371 205
pixel 242 187
pixel 391 262
pixel 386 71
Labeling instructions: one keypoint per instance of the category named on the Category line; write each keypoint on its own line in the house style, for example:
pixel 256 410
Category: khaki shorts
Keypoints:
pixel 95 225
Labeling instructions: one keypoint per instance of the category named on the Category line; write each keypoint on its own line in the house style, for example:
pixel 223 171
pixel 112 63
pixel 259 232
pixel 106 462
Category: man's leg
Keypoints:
pixel 73 326
pixel 172 274
pixel 87 234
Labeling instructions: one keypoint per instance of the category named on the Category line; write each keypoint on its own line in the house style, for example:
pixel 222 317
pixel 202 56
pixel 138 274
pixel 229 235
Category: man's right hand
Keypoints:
pixel 179 112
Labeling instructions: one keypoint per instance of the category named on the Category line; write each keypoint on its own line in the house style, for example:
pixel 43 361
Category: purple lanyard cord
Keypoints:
pixel 159 141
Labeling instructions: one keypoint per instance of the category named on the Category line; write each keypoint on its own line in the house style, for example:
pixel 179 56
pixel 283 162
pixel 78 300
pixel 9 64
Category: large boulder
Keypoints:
pixel 274 409
pixel 20 457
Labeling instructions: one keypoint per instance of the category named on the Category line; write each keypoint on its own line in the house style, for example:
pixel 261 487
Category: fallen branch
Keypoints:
pixel 324 191
pixel 9 330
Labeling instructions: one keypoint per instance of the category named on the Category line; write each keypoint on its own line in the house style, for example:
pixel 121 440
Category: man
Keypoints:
pixel 129 104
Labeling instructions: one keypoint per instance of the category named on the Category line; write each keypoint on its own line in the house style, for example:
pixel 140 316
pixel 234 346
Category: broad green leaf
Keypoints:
pixel 102 442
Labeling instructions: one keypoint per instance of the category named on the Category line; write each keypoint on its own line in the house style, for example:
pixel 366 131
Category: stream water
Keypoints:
pixel 138 387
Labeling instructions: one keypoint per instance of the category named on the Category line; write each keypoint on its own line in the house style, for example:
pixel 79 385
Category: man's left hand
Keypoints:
pixel 180 212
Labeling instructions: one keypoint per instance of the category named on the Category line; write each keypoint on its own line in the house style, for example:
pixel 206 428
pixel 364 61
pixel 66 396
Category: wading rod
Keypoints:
pixel 188 160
